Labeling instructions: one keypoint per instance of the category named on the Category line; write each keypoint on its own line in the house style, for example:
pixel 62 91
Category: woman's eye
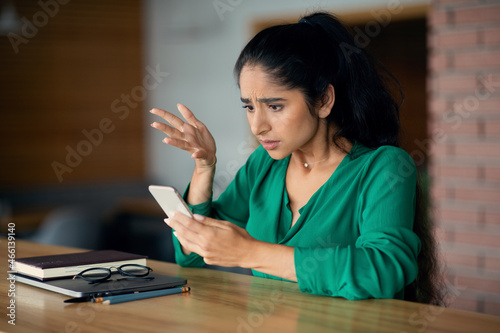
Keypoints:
pixel 275 107
pixel 248 107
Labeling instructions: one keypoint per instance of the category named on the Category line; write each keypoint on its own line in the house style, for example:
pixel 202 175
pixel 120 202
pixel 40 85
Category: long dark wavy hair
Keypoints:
pixel 319 50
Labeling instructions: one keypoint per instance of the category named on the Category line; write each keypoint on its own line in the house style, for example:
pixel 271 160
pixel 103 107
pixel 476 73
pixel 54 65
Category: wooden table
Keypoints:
pixel 222 302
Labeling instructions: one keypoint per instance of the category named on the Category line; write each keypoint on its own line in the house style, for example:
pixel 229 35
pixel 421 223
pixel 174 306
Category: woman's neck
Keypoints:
pixel 321 150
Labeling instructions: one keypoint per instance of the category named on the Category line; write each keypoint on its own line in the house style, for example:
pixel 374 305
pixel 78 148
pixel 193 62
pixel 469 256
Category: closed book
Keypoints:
pixel 66 265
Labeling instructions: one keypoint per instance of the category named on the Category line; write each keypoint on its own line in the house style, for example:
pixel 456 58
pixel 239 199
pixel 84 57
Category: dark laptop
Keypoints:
pixel 114 286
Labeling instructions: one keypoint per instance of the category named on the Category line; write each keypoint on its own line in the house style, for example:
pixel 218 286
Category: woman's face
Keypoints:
pixel 278 117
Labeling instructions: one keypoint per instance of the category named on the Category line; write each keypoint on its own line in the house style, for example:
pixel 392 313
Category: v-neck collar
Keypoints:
pixel 286 211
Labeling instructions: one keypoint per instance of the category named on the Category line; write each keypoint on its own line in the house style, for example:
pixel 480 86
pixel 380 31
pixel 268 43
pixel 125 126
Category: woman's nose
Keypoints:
pixel 258 122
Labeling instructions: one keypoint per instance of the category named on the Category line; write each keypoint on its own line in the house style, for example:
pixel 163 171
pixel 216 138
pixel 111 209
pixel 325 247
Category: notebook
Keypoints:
pixel 81 288
pixel 70 264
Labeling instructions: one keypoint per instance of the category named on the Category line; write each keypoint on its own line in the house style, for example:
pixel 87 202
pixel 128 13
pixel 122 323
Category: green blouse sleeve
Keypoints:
pixel 383 259
pixel 232 205
pixel 192 259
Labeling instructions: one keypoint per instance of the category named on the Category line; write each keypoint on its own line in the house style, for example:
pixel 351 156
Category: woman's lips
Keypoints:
pixel 269 145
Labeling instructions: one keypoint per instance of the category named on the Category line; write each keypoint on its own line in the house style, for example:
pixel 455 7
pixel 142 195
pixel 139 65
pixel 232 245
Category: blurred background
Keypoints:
pixel 78 78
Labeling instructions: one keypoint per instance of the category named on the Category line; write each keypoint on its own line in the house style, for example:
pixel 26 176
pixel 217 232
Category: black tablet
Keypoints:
pixel 114 286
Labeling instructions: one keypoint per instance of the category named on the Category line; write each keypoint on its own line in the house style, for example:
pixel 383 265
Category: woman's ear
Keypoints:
pixel 327 102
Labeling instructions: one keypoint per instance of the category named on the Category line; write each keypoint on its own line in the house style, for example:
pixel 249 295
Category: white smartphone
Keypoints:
pixel 169 200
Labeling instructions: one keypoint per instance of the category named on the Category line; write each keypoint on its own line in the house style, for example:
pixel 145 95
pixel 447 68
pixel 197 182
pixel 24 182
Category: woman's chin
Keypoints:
pixel 277 155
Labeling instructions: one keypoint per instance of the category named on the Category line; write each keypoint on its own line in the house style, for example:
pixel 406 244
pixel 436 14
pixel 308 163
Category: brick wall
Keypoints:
pixel 464 142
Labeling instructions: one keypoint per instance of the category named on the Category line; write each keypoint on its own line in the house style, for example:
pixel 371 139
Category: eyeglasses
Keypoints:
pixel 101 274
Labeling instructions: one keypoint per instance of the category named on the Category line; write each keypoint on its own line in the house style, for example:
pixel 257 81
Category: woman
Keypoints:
pixel 328 199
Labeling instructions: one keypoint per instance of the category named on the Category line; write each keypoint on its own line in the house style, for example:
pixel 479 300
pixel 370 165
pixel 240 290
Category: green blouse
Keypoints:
pixel 353 238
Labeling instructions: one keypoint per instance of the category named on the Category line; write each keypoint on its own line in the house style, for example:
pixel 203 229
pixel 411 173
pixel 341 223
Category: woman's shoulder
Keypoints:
pixel 383 166
pixel 384 159
pixel 380 154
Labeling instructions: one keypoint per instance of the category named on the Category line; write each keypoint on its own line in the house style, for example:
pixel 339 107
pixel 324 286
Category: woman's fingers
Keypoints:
pixel 178 220
pixel 186 244
pixel 173 120
pixel 188 115
pixel 181 144
pixel 168 130
pixel 177 123
pixel 174 137
pixel 191 136
pixel 207 221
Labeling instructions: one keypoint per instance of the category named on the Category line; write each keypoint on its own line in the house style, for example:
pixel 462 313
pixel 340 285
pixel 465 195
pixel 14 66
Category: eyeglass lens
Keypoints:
pixel 134 270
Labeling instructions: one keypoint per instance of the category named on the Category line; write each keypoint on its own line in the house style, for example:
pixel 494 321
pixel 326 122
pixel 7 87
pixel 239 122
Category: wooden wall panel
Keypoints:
pixel 402 48
pixel 63 81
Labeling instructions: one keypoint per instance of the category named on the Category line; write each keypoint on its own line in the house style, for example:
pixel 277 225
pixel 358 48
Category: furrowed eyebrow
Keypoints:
pixel 264 100
pixel 270 100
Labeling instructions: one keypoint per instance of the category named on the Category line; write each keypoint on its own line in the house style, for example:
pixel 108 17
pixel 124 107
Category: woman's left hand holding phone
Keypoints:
pixel 218 242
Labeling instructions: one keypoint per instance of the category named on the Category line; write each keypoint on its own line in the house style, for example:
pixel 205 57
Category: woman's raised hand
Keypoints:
pixel 190 135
